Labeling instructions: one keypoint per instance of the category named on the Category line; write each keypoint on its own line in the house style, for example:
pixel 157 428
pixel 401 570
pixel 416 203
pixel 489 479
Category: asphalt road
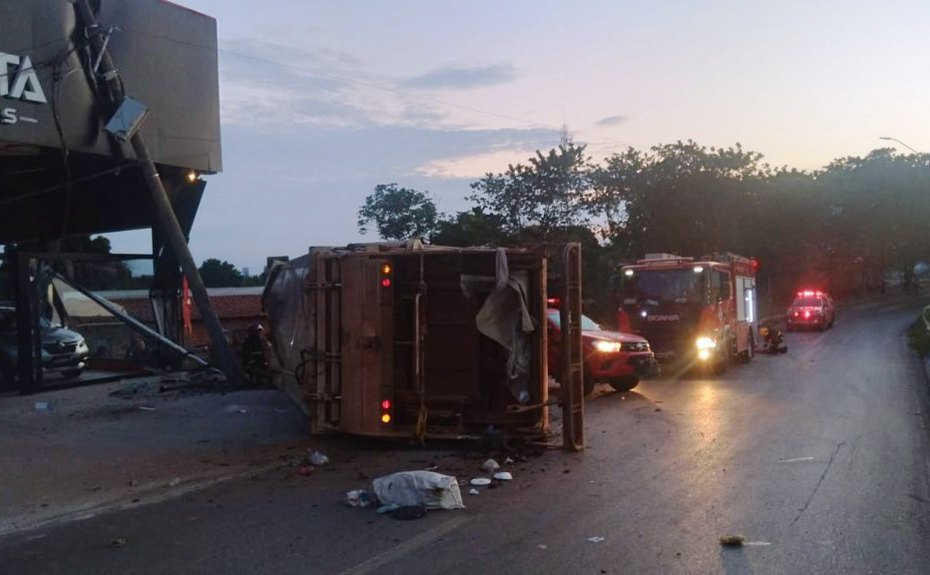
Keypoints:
pixel 819 458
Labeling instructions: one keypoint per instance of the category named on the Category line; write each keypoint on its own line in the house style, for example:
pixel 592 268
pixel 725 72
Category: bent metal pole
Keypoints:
pixel 167 222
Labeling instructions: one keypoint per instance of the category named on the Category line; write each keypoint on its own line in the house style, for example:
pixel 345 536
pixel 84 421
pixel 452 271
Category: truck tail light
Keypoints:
pixel 386 411
pixel 386 275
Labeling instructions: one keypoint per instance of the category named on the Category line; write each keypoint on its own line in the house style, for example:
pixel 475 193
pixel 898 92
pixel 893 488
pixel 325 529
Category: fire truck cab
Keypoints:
pixel 699 311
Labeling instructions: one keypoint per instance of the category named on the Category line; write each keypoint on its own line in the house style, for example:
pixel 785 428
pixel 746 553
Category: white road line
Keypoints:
pixel 407 547
pixel 796 459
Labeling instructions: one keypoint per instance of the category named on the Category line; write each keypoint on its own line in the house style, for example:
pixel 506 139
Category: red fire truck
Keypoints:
pixel 700 311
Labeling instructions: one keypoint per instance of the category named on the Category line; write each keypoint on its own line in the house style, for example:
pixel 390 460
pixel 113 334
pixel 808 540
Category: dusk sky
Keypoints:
pixel 322 101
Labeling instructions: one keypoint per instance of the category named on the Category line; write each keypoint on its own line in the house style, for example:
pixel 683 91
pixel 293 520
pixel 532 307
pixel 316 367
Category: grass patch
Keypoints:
pixel 919 338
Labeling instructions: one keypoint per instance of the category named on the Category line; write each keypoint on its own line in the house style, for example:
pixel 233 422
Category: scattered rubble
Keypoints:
pixel 317 459
pixel 117 543
pixel 359 498
pixel 732 540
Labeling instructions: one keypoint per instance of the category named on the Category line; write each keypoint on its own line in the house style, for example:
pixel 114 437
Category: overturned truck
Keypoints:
pixel 407 340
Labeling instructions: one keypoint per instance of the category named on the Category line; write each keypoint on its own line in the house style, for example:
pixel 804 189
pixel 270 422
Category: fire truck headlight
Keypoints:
pixel 607 346
pixel 705 343
pixel 704 354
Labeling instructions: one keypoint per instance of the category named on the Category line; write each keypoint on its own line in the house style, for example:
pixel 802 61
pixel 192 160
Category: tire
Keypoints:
pixel 746 356
pixel 624 383
pixel 723 362
pixel 588 384
pixel 7 373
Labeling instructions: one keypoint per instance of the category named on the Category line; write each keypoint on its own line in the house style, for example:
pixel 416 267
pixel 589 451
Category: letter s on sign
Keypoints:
pixel 8 116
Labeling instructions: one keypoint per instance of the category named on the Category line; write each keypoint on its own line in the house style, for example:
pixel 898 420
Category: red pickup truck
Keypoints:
pixel 617 358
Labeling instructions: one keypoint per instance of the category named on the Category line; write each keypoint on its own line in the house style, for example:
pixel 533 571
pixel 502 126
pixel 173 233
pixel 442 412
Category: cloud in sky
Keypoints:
pixel 611 121
pixel 463 78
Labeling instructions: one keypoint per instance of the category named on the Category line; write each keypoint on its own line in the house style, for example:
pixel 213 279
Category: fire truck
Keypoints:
pixel 699 311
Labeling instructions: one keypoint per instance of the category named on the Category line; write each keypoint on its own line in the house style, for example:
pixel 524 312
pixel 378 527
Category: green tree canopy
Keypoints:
pixel 547 193
pixel 398 213
pixel 216 273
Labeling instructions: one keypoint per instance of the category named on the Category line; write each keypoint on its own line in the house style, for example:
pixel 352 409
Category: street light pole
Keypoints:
pixel 898 141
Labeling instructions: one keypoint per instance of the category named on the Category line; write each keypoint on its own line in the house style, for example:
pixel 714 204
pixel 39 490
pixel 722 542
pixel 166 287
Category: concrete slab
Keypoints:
pixel 72 452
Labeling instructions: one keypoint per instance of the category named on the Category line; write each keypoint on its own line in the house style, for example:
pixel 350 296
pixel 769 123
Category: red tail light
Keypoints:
pixel 386 274
pixel 386 411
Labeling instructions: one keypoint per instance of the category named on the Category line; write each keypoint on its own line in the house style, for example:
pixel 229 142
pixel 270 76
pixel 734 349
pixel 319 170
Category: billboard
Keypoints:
pixel 167 59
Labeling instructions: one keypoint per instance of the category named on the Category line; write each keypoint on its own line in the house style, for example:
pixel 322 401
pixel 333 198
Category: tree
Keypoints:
pixel 547 194
pixel 216 273
pixel 398 213
pixel 471 228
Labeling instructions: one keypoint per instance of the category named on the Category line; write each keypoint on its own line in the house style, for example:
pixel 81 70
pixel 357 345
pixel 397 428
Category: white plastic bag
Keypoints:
pixel 427 488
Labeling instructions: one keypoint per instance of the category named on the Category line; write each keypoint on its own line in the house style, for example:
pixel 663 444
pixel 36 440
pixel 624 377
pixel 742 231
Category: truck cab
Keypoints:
pixel 697 311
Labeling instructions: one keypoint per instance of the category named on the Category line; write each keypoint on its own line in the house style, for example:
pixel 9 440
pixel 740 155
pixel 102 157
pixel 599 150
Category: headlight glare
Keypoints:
pixel 706 343
pixel 607 346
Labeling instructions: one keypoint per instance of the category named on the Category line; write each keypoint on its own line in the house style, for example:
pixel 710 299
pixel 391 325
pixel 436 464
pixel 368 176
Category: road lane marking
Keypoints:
pixel 796 459
pixel 407 547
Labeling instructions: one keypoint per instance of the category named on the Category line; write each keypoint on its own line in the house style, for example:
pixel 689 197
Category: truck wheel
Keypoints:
pixel 588 384
pixel 7 373
pixel 624 383
pixel 746 356
pixel 723 362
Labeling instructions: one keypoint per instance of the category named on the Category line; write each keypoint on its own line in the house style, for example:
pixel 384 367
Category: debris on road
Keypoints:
pixel 359 498
pixel 305 470
pixel 117 543
pixel 387 508
pixel 427 488
pixel 480 481
pixel 490 466
pixel 503 476
pixel 146 408
pixel 596 539
pixel 45 406
pixel 317 459
pixel 540 546
pixel 408 512
pixel 732 540
pixel 474 491
pixel 174 482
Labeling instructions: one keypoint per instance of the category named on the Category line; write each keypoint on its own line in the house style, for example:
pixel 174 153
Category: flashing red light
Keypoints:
pixel 807 314
pixel 755 265
pixel 552 301
pixel 386 282
pixel 386 404
pixel 810 293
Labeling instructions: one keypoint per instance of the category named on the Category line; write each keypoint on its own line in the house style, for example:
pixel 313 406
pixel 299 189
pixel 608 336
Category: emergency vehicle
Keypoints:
pixel 701 311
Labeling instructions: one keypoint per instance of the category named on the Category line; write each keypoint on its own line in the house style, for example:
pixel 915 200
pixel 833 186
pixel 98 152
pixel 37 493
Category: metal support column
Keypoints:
pixel 167 222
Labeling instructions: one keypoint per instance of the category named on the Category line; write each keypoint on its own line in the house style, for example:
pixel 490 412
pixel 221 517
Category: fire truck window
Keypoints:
pixel 663 286
pixel 724 281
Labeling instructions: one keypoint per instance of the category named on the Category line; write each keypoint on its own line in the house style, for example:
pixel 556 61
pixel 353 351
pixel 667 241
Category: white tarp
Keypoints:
pixel 427 488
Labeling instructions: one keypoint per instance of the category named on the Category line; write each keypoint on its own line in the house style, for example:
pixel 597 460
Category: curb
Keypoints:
pixel 156 493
